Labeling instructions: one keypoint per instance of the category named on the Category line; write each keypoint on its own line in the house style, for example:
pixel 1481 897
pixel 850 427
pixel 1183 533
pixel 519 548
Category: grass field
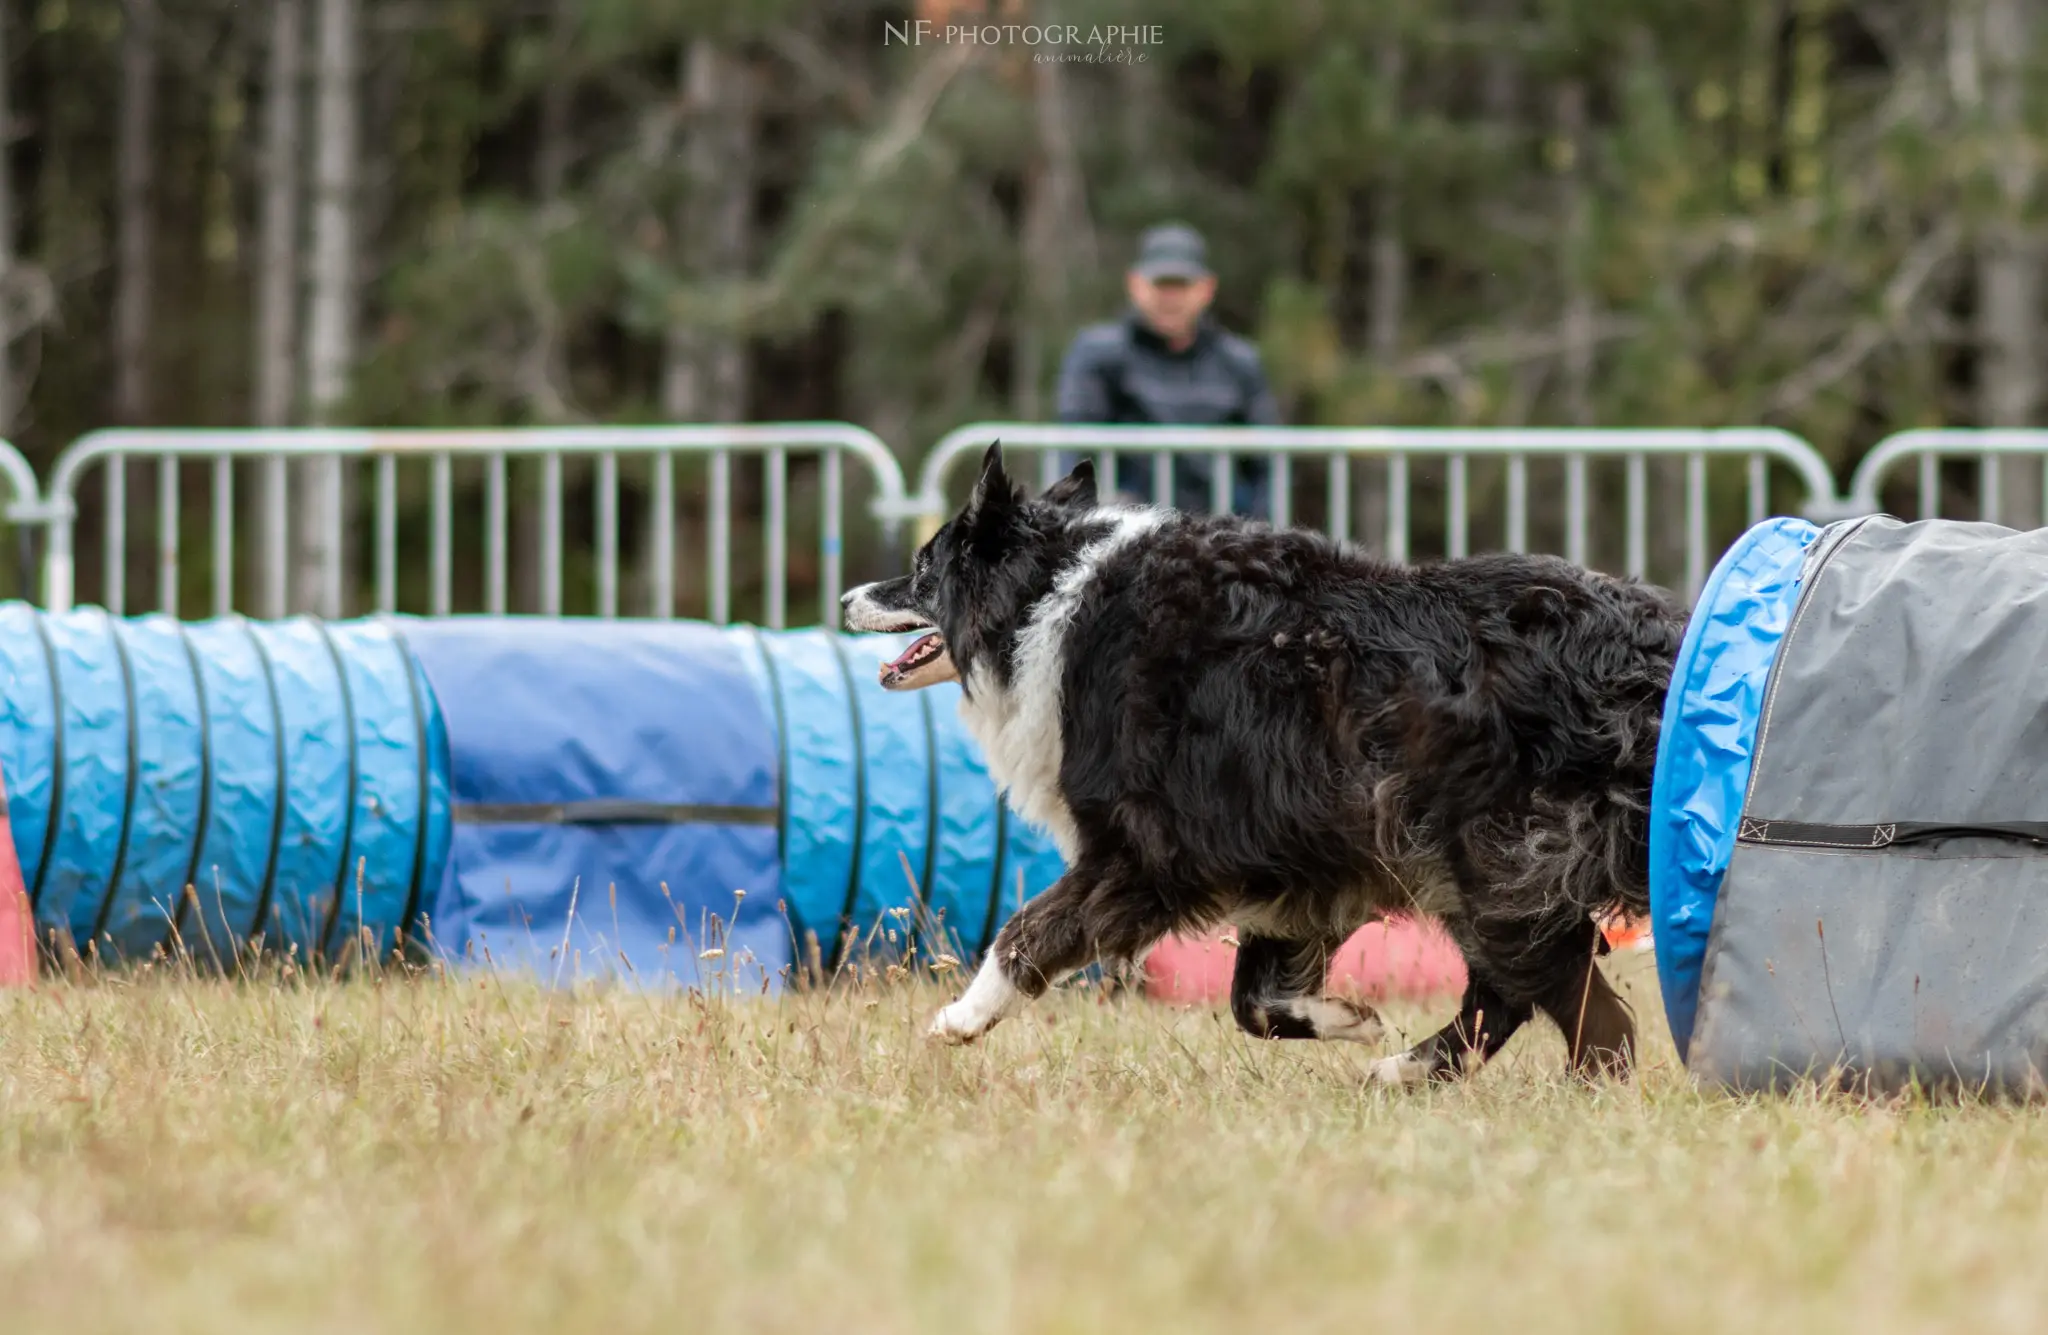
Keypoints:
pixel 184 1155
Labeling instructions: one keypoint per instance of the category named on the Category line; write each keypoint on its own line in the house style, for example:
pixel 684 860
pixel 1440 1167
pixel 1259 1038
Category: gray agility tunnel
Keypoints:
pixel 1849 870
pixel 570 797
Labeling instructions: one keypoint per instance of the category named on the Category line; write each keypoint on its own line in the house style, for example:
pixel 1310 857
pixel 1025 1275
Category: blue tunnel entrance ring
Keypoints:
pixel 1704 746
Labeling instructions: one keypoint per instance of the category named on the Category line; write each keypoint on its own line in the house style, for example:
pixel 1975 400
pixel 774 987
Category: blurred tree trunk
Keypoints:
pixel 1143 127
pixel 331 314
pixel 1574 209
pixel 10 390
pixel 277 272
pixel 1389 253
pixel 134 187
pixel 2009 341
pixel 544 369
pixel 551 162
pixel 704 374
pixel 704 370
pixel 1058 240
pixel 135 226
pixel 546 373
pixel 1389 268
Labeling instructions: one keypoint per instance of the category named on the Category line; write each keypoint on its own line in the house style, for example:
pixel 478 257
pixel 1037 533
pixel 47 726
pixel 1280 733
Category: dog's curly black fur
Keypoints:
pixel 1223 722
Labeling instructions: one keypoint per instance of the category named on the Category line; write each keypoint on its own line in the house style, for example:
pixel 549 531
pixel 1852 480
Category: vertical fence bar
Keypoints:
pixel 276 538
pixel 1759 489
pixel 1575 544
pixel 223 535
pixel 1340 497
pixel 1397 507
pixel 1457 538
pixel 833 538
pixel 663 533
pixel 1162 478
pixel 1638 560
pixel 495 521
pixel 1048 468
pixel 720 528
pixel 331 608
pixel 1223 465
pixel 60 562
pixel 1105 475
pixel 387 533
pixel 776 567
pixel 115 576
pixel 608 535
pixel 1282 482
pixel 1695 523
pixel 1518 503
pixel 551 535
pixel 167 534
pixel 1987 488
pixel 442 558
pixel 1930 485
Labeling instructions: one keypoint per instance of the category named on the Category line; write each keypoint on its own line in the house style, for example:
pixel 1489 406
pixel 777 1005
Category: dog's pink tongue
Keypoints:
pixel 904 661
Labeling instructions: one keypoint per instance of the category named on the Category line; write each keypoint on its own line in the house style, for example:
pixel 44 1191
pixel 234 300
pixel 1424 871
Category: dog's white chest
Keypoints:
pixel 1019 726
pixel 1019 735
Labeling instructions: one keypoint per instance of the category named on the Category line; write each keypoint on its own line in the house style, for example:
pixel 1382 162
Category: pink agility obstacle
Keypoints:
pixel 17 920
pixel 1401 958
pixel 1383 959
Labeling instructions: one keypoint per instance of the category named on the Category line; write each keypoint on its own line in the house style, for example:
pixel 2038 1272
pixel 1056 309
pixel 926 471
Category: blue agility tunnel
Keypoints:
pixel 1850 839
pixel 569 797
pixel 1704 745
pixel 643 772
pixel 284 772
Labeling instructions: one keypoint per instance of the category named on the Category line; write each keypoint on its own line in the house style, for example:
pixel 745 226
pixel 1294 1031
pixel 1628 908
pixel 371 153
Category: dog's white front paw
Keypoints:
pixel 1402 1069
pixel 987 1000
pixel 956 1025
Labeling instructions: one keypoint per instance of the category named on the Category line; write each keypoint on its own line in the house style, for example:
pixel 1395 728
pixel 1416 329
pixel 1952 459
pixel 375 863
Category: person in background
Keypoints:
pixel 1167 362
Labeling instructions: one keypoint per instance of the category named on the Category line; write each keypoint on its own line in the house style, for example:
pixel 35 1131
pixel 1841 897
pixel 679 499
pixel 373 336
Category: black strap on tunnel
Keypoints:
pixel 191 880
pixel 1888 834
pixel 417 693
pixel 860 803
pixel 348 823
pixel 612 811
pixel 99 922
pixel 53 822
pixel 261 919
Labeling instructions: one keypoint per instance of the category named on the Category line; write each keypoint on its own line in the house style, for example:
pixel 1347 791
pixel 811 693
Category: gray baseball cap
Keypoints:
pixel 1172 250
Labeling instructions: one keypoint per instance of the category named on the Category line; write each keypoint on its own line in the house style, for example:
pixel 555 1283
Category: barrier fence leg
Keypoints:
pixel 17 923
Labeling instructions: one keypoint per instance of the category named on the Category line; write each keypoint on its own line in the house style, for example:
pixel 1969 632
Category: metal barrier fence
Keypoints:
pixel 23 510
pixel 1988 447
pixel 716 446
pixel 1400 448
pixel 1396 469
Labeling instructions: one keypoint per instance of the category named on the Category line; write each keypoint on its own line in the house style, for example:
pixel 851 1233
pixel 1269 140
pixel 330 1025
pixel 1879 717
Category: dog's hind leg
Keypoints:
pixel 1599 1031
pixel 1485 1022
pixel 1078 919
pixel 1277 992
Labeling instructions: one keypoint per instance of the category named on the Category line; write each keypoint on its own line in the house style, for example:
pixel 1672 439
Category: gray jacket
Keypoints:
pixel 1120 372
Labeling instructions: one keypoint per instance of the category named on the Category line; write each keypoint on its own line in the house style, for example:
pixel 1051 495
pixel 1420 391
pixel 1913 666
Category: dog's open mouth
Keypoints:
pixel 924 663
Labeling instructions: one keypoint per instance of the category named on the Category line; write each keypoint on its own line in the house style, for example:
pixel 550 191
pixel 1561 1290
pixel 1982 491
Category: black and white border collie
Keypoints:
pixel 1221 722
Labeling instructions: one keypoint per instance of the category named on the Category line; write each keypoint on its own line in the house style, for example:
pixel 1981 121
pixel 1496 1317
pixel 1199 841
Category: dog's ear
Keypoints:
pixel 1075 491
pixel 994 493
